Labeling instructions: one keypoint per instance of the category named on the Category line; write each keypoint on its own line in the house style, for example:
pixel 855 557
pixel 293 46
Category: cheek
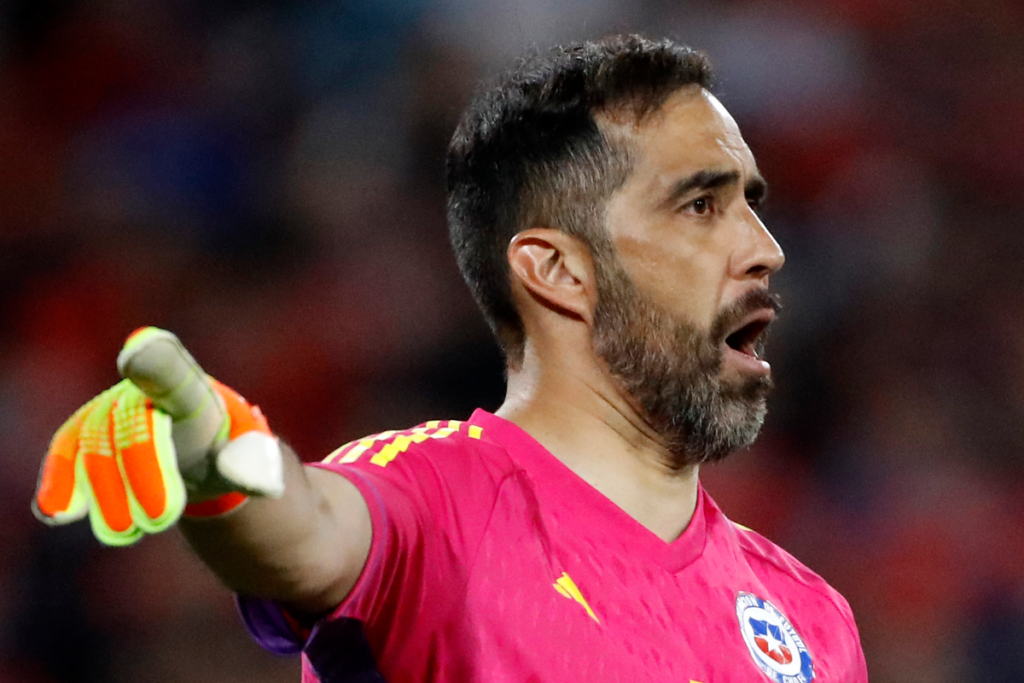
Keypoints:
pixel 679 276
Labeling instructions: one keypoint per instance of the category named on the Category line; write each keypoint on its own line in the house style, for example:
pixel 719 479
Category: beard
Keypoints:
pixel 672 368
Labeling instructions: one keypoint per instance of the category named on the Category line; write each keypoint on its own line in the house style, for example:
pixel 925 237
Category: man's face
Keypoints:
pixel 684 299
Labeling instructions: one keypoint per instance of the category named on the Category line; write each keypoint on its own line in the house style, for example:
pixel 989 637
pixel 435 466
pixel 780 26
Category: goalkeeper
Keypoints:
pixel 603 210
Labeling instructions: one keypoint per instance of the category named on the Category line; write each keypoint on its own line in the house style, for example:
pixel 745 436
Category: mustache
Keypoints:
pixel 731 316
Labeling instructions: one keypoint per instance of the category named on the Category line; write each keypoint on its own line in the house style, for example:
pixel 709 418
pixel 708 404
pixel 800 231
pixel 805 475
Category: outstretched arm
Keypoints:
pixel 305 549
pixel 133 457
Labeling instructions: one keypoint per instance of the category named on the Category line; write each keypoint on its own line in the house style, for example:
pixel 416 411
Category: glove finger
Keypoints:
pixel 58 499
pixel 110 513
pixel 159 365
pixel 144 451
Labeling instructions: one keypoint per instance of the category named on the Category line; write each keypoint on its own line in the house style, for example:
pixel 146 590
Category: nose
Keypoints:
pixel 758 254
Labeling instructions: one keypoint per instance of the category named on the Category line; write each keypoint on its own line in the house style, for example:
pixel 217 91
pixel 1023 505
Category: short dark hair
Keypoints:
pixel 528 152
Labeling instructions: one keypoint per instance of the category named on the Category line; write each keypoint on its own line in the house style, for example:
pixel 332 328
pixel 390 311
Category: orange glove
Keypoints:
pixel 127 457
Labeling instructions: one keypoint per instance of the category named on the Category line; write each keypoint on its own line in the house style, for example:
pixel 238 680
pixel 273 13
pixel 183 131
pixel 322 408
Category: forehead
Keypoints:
pixel 691 132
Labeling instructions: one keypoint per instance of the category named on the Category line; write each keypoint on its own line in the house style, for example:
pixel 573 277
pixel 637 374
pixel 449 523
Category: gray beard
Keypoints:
pixel 671 368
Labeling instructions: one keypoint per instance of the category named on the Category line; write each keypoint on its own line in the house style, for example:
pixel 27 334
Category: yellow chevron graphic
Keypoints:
pixel 567 588
pixel 391 443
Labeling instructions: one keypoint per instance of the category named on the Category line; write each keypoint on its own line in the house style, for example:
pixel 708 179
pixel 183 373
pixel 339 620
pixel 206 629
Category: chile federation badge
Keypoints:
pixel 774 644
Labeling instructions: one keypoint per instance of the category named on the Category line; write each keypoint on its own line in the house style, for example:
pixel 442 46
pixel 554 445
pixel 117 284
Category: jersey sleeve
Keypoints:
pixel 857 664
pixel 429 491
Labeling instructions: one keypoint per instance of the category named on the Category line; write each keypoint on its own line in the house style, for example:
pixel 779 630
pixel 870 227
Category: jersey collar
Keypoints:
pixel 582 509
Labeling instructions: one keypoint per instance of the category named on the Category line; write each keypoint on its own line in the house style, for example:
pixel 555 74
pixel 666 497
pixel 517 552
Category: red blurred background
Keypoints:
pixel 265 179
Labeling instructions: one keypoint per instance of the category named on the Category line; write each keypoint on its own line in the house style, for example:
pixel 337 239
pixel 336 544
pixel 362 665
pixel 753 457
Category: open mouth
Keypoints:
pixel 745 338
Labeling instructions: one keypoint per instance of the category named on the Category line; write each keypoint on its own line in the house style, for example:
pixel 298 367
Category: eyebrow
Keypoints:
pixel 756 188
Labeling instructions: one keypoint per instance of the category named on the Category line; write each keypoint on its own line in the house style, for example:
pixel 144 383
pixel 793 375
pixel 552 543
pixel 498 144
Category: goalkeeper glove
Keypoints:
pixel 132 456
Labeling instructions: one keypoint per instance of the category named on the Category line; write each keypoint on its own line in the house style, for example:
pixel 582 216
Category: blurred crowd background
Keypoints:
pixel 266 179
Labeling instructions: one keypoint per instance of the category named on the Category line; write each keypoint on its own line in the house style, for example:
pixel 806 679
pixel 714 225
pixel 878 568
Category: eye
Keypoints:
pixel 701 206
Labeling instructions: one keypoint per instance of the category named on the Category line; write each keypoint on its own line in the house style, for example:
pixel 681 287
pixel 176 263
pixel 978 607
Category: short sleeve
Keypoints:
pixel 430 492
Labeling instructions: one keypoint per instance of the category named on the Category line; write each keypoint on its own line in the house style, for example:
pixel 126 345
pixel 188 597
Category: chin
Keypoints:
pixel 747 425
pixel 735 427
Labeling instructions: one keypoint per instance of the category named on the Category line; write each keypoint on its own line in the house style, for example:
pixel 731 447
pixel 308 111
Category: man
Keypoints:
pixel 603 209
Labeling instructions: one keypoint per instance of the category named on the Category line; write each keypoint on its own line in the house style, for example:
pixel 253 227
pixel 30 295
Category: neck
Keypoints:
pixel 580 416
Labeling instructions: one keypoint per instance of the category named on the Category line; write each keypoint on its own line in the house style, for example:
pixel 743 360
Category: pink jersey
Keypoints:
pixel 492 561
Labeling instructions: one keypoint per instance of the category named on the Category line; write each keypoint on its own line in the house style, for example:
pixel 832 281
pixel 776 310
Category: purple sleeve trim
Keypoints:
pixel 267 625
pixel 263 617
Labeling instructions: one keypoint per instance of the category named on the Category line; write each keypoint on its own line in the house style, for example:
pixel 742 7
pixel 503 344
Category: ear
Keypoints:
pixel 556 270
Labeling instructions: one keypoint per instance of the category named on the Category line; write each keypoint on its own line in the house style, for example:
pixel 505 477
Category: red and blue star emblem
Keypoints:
pixel 774 644
pixel 768 637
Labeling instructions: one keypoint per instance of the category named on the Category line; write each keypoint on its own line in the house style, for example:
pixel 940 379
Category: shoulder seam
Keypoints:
pixel 490 515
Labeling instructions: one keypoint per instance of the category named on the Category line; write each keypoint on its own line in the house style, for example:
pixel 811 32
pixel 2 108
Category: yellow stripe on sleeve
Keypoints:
pixel 395 442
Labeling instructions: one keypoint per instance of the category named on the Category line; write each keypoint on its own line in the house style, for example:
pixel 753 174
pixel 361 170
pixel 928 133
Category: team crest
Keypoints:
pixel 774 644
